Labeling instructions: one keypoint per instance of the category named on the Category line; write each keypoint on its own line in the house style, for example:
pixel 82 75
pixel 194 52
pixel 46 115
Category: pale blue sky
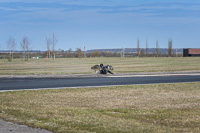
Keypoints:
pixel 101 23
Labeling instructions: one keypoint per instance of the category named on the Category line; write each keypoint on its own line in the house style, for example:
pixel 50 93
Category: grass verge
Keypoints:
pixel 83 65
pixel 138 108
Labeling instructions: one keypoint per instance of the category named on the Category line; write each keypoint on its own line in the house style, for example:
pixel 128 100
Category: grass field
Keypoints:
pixel 140 108
pixel 83 65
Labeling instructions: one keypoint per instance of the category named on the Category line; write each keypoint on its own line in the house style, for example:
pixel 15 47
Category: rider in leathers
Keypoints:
pixel 103 70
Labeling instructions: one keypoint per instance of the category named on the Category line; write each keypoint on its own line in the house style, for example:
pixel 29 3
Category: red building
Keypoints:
pixel 191 52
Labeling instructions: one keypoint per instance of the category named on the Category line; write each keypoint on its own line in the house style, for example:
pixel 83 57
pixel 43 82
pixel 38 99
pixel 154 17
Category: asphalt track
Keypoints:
pixel 7 84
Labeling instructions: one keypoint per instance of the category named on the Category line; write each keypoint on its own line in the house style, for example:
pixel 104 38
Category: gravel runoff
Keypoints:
pixel 9 127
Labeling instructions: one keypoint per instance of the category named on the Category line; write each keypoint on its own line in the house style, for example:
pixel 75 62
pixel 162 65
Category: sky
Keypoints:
pixel 101 24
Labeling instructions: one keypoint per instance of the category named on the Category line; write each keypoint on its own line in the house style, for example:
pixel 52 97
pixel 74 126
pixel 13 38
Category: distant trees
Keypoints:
pixel 79 53
pixel 138 47
pixel 48 44
pixel 11 44
pixel 26 46
pixel 170 47
pixel 157 49
pixel 147 48
pixel 51 43
pixel 142 53
pixel 54 42
pixel 123 52
pixel 95 53
pixel 69 53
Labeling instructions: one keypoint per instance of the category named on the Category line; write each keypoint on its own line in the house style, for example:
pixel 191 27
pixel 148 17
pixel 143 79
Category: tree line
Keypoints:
pixel 25 45
pixel 157 52
pixel 52 53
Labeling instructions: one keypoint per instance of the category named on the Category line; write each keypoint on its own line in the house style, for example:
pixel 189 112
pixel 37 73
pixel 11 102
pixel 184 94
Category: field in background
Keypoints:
pixel 83 65
pixel 140 108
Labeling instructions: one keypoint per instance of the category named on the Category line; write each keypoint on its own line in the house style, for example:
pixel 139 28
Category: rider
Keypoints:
pixel 103 70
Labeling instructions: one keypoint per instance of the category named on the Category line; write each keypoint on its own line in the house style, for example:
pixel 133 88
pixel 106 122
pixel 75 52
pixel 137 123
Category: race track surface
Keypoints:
pixel 19 83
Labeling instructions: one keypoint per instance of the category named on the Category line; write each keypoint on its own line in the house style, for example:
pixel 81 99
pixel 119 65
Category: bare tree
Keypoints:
pixel 85 52
pixel 157 49
pixel 170 47
pixel 138 47
pixel 54 41
pixel 11 44
pixel 147 48
pixel 48 43
pixel 26 47
pixel 123 52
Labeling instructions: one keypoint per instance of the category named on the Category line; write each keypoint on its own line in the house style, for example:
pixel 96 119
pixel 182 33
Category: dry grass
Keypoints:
pixel 82 66
pixel 139 108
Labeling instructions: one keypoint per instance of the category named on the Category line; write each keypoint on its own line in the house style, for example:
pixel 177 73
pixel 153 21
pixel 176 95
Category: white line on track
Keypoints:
pixel 154 75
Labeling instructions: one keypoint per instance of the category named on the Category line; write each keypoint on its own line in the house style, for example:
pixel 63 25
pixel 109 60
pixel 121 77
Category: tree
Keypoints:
pixel 54 41
pixel 122 52
pixel 48 43
pixel 11 44
pixel 170 47
pixel 157 49
pixel 147 48
pixel 51 42
pixel 26 46
pixel 84 52
pixel 138 47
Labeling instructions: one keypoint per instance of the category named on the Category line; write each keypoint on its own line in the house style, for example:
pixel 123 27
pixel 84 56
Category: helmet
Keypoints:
pixel 101 65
